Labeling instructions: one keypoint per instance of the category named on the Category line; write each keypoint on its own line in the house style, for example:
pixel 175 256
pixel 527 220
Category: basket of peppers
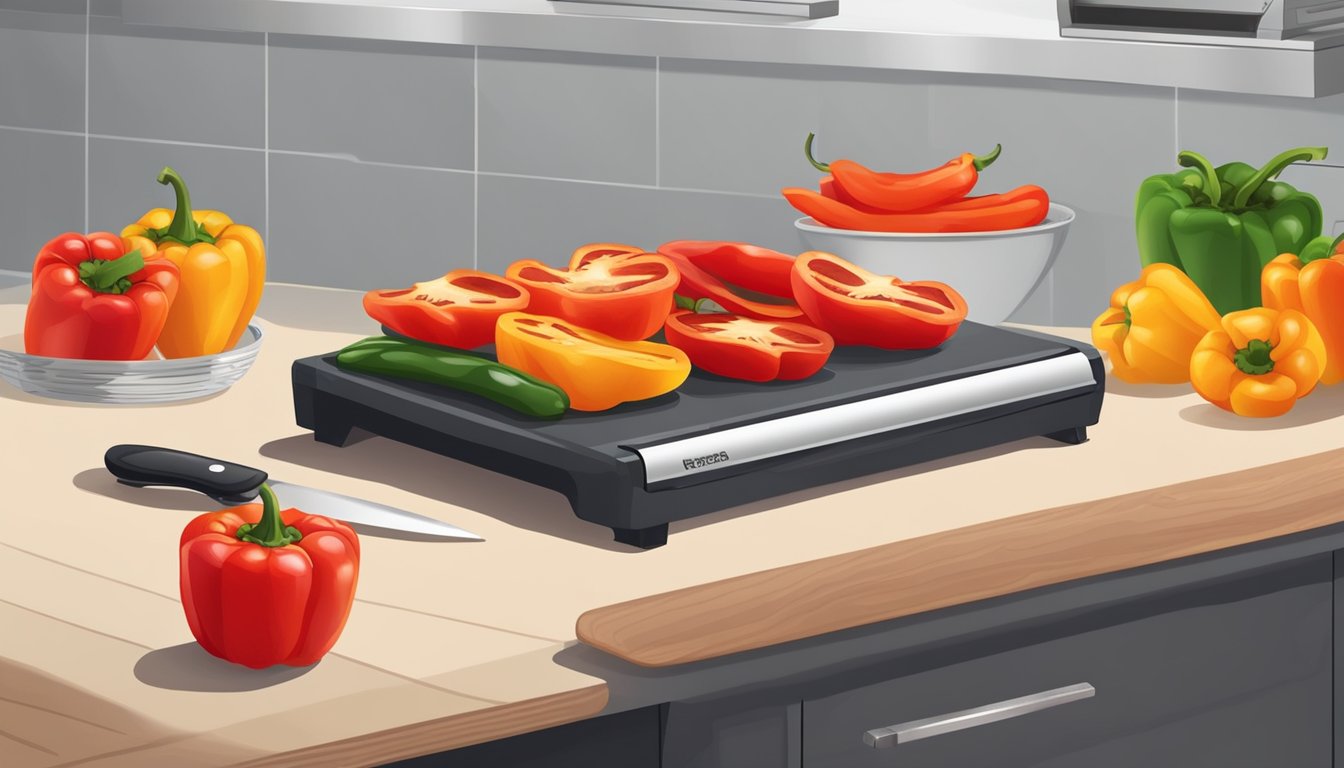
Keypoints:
pixel 1240 295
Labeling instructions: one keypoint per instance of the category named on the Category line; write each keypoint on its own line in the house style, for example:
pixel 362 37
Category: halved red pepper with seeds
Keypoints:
pixel 457 310
pixel 725 273
pixel 740 347
pixel 858 307
pixel 623 294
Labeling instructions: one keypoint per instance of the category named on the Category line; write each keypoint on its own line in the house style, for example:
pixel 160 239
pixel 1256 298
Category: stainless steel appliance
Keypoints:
pixel 1316 21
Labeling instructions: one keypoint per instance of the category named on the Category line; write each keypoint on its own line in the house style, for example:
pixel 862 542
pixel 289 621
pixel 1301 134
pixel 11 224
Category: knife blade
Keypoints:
pixel 231 483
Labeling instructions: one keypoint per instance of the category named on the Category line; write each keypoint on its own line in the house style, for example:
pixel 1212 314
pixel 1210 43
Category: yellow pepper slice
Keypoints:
pixel 596 371
pixel 1153 325
pixel 1316 289
pixel 223 267
pixel 1259 363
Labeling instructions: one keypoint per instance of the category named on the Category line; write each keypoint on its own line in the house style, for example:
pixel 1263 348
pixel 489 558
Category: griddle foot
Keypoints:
pixel 644 538
pixel 1072 435
pixel 336 434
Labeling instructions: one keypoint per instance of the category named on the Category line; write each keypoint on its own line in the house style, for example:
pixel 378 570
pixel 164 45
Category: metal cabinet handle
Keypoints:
pixel 880 738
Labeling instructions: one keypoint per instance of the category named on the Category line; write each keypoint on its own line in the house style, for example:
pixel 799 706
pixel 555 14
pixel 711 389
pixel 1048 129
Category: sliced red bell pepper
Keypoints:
pixel 722 272
pixel 745 348
pixel 261 586
pixel 457 310
pixel 859 308
pixel 93 301
pixel 622 294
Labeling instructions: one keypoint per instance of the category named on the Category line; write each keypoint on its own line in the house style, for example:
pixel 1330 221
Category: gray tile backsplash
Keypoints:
pixel 123 181
pixel 567 115
pixel 343 224
pixel 41 192
pixel 42 70
pixel 176 85
pixel 377 102
pixel 546 220
pixel 1227 127
pixel 740 126
pixel 501 154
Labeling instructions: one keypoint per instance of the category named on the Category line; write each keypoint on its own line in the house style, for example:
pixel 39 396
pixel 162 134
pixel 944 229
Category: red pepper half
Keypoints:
pixel 857 307
pixel 456 310
pixel 745 348
pixel 712 270
pixel 622 294
pixel 92 300
pixel 262 587
pixel 896 192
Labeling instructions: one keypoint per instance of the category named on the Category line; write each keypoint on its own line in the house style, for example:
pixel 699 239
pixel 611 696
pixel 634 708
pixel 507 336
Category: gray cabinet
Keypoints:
pixel 1240 675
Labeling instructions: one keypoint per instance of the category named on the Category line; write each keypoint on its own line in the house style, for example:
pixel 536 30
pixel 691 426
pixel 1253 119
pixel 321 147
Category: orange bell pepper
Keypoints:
pixel 1316 289
pixel 596 371
pixel 1259 363
pixel 1153 325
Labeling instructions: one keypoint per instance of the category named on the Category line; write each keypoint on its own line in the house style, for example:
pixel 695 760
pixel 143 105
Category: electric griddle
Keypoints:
pixel 716 442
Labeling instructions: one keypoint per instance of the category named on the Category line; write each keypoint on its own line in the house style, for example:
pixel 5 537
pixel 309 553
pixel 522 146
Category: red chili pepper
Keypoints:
pixel 93 301
pixel 1025 210
pixel 857 307
pixel 456 310
pixel 620 293
pixel 709 267
pixel 896 192
pixel 262 587
pixel 744 348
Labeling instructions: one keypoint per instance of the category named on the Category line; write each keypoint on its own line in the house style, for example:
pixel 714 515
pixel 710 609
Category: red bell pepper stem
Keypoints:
pixel 270 530
pixel 183 228
pixel 111 275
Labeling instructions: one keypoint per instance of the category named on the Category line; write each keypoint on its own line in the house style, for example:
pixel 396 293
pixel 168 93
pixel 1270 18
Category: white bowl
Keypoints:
pixel 994 271
pixel 129 382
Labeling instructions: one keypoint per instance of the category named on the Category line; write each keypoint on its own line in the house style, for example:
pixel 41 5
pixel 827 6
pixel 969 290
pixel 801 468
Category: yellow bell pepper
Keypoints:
pixel 1152 326
pixel 596 371
pixel 223 268
pixel 1316 289
pixel 1259 363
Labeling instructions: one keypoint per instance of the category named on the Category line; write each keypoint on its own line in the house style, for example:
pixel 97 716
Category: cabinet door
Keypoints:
pixel 1237 675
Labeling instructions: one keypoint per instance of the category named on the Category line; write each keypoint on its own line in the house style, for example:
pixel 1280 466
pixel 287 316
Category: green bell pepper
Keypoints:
pixel 1222 225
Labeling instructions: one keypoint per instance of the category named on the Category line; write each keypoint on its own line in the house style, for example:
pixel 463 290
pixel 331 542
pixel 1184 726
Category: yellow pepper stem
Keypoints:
pixel 183 228
pixel 1254 359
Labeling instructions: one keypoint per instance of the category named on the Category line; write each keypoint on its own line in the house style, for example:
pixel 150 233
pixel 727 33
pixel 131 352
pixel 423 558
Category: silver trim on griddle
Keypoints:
pixel 850 421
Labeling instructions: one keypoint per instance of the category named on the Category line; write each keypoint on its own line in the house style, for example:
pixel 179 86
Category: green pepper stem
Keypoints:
pixel 183 228
pixel 111 275
pixel 1273 168
pixel 983 161
pixel 270 530
pixel 807 150
pixel 1213 186
pixel 1254 359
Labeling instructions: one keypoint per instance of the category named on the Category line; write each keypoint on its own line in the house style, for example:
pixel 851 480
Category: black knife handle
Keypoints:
pixel 141 465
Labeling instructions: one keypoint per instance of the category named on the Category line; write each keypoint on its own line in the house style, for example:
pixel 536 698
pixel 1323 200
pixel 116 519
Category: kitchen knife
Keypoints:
pixel 229 483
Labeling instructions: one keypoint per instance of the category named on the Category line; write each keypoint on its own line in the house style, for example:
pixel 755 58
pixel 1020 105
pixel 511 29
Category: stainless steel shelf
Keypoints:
pixel 988 37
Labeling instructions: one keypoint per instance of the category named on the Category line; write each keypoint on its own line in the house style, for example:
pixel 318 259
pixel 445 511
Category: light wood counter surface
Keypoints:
pixel 451 644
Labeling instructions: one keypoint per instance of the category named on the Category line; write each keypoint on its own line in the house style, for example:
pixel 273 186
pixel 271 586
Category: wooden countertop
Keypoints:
pixel 451 644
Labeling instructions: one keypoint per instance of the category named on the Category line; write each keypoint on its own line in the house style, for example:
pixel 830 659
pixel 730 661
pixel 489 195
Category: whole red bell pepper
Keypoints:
pixel 92 300
pixel 261 586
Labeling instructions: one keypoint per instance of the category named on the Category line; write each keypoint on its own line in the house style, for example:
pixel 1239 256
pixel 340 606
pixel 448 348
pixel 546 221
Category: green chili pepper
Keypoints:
pixel 1222 225
pixel 402 359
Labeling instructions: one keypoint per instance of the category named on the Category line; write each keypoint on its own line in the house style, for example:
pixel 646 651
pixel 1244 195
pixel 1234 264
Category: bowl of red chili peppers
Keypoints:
pixel 995 249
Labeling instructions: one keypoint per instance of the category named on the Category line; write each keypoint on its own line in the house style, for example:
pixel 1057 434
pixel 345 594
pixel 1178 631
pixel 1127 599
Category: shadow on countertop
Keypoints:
pixel 1323 404
pixel 539 509
pixel 187 667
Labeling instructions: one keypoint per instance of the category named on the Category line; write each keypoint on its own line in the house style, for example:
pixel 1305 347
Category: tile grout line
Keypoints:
pixel 266 135
pixel 476 157
pixel 1175 121
pixel 88 33
pixel 657 121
